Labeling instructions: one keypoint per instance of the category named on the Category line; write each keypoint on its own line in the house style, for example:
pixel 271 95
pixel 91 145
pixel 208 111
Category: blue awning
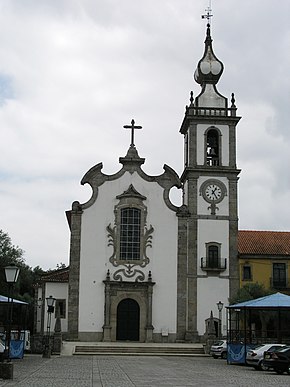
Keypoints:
pixel 6 299
pixel 277 300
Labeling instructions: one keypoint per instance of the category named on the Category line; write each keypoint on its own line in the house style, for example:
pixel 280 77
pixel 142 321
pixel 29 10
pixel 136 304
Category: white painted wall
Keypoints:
pixel 95 253
pixel 58 290
pixel 210 290
pixel 213 231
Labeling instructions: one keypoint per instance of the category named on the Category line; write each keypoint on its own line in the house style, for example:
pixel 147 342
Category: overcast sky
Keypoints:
pixel 73 72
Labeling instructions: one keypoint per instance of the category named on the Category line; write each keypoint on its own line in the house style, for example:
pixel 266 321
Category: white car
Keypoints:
pixel 255 357
pixel 219 349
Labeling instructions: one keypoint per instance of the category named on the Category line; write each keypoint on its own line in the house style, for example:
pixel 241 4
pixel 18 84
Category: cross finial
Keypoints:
pixel 132 127
pixel 208 14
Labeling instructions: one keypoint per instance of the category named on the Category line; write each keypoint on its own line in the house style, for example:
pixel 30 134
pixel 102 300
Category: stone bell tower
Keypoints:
pixel 210 180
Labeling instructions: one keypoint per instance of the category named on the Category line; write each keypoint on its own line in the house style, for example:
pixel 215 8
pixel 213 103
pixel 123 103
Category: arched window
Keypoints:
pixel 212 148
pixel 130 228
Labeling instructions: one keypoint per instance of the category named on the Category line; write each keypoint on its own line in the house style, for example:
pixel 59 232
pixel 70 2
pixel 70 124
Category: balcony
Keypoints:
pixel 216 264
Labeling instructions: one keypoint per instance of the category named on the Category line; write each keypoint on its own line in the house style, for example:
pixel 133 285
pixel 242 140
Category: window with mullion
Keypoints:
pixel 279 275
pixel 130 233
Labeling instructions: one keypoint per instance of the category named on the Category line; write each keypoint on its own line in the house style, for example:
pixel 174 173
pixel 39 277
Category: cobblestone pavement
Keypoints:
pixel 131 371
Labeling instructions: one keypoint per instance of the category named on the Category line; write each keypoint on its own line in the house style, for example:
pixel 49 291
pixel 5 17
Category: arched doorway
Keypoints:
pixel 128 320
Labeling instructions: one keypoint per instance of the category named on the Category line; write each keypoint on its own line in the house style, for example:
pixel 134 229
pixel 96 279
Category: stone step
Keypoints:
pixel 153 350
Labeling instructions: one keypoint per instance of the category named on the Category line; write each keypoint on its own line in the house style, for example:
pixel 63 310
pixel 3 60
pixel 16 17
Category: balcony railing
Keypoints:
pixel 209 264
pixel 212 111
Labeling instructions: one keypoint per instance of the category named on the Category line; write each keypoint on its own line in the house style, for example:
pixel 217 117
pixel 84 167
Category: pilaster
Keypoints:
pixel 74 273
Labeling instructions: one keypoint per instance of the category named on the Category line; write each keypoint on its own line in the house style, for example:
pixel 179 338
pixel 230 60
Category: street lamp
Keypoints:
pixel 50 309
pixel 220 306
pixel 11 274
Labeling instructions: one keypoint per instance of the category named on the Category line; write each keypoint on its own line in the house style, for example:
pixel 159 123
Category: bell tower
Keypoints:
pixel 210 180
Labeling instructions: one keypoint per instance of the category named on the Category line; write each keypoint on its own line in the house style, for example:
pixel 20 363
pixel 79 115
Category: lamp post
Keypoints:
pixel 50 309
pixel 220 306
pixel 11 274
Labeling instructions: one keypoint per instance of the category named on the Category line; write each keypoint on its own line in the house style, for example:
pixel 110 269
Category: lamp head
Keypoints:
pixel 11 273
pixel 220 306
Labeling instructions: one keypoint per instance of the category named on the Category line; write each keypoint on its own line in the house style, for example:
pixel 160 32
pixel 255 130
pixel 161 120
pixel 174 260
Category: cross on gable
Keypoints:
pixel 132 127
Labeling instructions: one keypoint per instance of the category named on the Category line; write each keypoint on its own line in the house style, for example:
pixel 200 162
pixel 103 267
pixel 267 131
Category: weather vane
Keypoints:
pixel 208 14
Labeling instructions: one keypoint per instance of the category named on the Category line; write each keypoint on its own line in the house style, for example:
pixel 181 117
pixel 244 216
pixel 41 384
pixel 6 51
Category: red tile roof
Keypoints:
pixel 264 242
pixel 60 275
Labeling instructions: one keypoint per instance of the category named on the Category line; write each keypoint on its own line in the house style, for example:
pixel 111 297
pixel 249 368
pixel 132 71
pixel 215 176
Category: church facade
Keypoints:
pixel 141 268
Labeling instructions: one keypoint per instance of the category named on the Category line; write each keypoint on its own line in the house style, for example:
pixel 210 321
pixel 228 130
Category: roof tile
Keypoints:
pixel 264 242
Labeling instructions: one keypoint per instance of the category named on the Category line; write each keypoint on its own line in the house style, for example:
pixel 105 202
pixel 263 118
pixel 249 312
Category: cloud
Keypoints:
pixel 72 73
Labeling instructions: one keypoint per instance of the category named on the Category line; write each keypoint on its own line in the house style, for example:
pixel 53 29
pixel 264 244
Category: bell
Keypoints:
pixel 212 152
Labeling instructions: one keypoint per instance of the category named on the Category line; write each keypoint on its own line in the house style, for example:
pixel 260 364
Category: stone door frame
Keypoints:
pixel 115 292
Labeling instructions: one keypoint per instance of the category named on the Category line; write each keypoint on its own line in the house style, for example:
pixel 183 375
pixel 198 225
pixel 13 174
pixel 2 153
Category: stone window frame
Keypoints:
pixel 219 135
pixel 130 199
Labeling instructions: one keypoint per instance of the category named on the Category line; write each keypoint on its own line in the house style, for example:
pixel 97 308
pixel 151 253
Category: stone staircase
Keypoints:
pixel 139 349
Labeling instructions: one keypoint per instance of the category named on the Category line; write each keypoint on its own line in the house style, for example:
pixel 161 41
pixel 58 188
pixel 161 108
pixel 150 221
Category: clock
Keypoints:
pixel 213 191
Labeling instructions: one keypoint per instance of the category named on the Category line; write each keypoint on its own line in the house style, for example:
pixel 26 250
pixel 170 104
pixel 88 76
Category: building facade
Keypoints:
pixel 141 268
pixel 264 257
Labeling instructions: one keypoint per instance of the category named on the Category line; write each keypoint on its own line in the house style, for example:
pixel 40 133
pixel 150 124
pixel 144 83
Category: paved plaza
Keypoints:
pixel 131 371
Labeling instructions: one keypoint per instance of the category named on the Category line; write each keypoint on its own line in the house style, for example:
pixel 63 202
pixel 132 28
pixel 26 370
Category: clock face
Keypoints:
pixel 213 191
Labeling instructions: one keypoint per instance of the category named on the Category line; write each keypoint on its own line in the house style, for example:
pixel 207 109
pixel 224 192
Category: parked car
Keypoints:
pixel 279 360
pixel 219 349
pixel 255 357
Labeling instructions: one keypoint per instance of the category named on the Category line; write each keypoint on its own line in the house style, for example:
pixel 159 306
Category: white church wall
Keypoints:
pixel 210 291
pixel 212 231
pixel 95 253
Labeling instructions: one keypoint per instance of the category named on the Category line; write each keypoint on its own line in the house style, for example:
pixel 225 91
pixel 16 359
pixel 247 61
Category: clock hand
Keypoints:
pixel 213 193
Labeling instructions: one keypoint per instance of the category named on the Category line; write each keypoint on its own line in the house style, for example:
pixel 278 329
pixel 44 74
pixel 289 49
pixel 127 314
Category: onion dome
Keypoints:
pixel 209 68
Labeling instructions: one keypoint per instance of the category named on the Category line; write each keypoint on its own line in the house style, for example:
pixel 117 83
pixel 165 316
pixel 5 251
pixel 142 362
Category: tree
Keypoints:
pixel 250 291
pixel 9 254
pixel 23 289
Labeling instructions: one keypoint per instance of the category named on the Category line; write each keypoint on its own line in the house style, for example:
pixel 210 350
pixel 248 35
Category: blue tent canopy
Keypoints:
pixel 6 299
pixel 277 300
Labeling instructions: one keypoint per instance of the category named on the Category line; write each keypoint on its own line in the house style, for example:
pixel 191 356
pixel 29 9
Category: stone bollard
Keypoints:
pixel 6 370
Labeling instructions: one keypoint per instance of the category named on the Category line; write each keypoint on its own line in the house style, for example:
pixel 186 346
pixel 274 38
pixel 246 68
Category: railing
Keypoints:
pixel 212 111
pixel 210 264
